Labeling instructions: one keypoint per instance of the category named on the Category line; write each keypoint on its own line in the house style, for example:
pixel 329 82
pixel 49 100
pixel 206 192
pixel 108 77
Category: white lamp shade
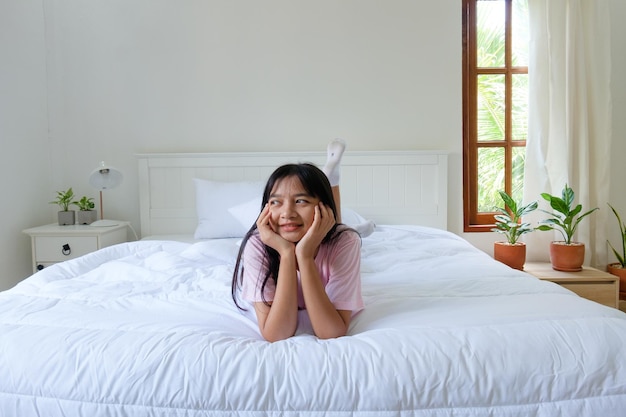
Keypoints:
pixel 105 177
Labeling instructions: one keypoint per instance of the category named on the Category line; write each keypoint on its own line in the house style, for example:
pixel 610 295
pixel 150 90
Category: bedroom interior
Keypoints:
pixel 167 91
pixel 446 329
pixel 93 83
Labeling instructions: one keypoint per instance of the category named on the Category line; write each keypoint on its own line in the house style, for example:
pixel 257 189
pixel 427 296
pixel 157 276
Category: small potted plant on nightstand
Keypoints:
pixel 508 222
pixel 566 255
pixel 64 199
pixel 619 268
pixel 86 213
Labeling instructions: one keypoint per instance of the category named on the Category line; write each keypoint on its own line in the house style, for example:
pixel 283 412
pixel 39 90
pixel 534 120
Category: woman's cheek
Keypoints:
pixel 310 217
pixel 274 217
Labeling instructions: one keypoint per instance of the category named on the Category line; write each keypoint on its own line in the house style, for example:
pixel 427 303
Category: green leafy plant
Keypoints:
pixel 64 199
pixel 85 203
pixel 565 218
pixel 508 222
pixel 621 257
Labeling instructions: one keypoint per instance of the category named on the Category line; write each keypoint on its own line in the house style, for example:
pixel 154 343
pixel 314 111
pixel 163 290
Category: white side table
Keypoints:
pixel 53 243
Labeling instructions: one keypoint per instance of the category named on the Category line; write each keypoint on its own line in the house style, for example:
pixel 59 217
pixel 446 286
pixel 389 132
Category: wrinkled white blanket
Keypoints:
pixel 149 328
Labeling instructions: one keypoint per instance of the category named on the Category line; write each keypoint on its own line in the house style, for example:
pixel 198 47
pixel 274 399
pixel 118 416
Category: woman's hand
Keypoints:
pixel 268 235
pixel 323 221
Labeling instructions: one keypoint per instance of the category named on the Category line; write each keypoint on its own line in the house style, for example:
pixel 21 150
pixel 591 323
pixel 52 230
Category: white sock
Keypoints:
pixel 366 228
pixel 332 169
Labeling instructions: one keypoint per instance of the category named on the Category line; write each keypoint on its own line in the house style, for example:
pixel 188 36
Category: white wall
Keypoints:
pixel 145 76
pixel 129 76
pixel 25 164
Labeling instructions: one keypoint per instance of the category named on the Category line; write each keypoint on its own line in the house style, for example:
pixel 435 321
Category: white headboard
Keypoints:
pixel 389 187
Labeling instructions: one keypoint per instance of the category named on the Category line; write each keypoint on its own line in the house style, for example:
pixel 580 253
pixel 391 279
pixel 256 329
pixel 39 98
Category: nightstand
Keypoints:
pixel 590 283
pixel 53 243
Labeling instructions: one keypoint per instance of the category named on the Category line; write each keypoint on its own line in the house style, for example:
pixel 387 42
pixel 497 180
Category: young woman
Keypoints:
pixel 298 256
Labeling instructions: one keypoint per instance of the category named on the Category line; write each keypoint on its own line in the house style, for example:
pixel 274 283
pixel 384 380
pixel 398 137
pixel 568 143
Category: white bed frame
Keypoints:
pixel 389 187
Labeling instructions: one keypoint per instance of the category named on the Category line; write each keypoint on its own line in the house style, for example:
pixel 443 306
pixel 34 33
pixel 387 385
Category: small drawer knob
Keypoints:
pixel 66 249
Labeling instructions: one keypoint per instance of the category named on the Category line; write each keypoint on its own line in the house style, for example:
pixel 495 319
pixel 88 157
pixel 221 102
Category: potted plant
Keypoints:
pixel 63 200
pixel 565 255
pixel 512 252
pixel 86 213
pixel 619 268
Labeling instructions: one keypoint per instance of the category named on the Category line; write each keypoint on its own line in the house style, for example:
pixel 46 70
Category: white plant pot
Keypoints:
pixel 86 216
pixel 67 217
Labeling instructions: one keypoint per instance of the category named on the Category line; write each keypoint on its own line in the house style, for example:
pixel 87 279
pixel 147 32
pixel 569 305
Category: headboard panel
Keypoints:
pixel 389 187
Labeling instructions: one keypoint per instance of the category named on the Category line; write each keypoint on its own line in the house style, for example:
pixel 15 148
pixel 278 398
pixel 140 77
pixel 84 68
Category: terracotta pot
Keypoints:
pixel 566 257
pixel 513 255
pixel 617 270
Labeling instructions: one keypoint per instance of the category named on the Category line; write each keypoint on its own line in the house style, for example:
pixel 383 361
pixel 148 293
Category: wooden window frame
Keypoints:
pixel 474 221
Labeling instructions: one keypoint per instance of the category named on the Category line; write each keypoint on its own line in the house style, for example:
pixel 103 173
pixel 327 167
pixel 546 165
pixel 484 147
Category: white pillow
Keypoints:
pixel 247 213
pixel 351 218
pixel 213 201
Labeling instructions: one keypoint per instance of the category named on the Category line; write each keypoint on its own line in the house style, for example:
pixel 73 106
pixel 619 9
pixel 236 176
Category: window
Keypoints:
pixel 495 106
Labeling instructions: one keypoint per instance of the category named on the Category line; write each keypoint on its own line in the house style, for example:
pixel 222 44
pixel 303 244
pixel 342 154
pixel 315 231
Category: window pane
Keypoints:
pixel 519 33
pixel 491 107
pixel 517 178
pixel 490 19
pixel 519 115
pixel 490 178
pixel 496 48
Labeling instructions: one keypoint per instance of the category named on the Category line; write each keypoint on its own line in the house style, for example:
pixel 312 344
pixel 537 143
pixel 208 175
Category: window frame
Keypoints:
pixel 473 220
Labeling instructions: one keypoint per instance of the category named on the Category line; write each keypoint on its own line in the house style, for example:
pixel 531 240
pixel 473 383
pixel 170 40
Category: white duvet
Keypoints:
pixel 149 328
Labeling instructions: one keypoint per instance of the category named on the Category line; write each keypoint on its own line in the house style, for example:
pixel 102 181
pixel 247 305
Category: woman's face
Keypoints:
pixel 292 209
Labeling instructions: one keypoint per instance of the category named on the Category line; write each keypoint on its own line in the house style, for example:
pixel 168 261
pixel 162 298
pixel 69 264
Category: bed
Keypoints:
pixel 148 328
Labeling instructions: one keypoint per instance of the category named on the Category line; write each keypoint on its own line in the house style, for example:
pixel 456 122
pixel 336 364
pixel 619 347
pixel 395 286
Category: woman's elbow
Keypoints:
pixel 276 336
pixel 332 333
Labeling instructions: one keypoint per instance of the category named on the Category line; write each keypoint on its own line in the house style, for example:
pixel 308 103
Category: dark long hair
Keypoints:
pixel 316 184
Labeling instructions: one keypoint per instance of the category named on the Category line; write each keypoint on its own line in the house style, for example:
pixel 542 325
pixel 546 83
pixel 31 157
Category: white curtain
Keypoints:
pixel 570 117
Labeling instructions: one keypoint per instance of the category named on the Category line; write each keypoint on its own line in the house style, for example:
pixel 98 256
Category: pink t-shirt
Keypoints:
pixel 338 263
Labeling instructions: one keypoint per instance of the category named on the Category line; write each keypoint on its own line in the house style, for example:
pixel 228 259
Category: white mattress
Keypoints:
pixel 149 328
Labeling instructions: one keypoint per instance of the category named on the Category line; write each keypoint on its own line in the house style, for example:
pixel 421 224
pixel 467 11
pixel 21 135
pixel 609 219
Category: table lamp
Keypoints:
pixel 103 178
